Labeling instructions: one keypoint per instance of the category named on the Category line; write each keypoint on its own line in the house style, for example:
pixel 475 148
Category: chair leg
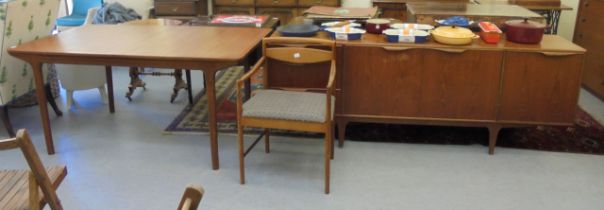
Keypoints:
pixel 241 155
pixel 34 196
pixel 267 145
pixel 103 93
pixel 69 98
pixel 328 145
pixel 333 133
pixel 51 100
pixel 6 120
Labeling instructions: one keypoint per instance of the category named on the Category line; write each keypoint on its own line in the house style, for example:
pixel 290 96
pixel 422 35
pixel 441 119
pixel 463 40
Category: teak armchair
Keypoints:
pixel 289 109
pixel 19 189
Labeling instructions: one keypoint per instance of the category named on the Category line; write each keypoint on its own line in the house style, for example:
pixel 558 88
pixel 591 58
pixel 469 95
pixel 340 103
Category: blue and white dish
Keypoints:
pixel 415 26
pixel 331 24
pixel 406 35
pixel 345 33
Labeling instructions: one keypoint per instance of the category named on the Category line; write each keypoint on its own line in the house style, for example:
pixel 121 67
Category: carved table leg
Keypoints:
pixel 179 83
pixel 493 132
pixel 135 82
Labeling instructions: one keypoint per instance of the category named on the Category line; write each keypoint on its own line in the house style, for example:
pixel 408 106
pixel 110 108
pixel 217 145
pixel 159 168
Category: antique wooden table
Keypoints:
pixel 209 49
pixel 427 12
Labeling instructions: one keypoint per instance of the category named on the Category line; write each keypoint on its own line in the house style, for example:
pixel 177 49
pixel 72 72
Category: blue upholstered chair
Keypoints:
pixel 78 13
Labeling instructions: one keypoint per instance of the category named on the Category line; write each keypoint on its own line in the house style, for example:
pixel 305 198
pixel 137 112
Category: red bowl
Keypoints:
pixel 376 26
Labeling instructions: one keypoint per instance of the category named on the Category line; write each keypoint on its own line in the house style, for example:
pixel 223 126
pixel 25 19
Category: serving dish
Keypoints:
pixel 453 35
pixel 345 33
pixel 333 24
pixel 524 31
pixel 489 32
pixel 376 26
pixel 406 35
pixel 415 26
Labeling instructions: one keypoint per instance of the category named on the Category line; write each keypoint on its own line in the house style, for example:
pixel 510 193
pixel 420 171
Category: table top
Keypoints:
pixel 467 9
pixel 531 7
pixel 148 41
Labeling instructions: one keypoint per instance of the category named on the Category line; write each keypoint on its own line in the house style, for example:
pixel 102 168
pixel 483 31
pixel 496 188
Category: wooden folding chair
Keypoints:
pixel 19 189
pixel 289 109
pixel 191 198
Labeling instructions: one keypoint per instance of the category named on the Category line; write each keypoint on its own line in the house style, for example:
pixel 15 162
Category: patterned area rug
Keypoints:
pixel 585 136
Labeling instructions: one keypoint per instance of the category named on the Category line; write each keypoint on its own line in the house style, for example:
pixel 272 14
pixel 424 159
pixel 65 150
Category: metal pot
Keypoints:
pixel 376 26
pixel 453 35
pixel 524 31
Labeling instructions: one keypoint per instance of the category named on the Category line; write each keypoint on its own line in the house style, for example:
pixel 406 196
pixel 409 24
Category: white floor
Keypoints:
pixel 122 161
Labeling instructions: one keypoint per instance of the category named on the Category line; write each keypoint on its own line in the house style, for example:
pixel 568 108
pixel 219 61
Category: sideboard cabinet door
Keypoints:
pixel 540 87
pixel 421 83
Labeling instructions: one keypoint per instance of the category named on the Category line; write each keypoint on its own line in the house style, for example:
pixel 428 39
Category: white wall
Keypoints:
pixel 566 28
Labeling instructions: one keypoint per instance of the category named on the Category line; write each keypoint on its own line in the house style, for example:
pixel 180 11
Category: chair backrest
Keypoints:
pixel 191 197
pixel 21 21
pixel 23 142
pixel 81 7
pixel 292 56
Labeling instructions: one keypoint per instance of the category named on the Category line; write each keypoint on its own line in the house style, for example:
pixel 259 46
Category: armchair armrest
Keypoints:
pixel 249 74
pixel 242 80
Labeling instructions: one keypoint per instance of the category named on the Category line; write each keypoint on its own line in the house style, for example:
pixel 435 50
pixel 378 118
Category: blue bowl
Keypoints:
pixel 298 30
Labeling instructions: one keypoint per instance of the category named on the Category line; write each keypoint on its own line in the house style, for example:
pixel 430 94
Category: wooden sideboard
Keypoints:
pixel 589 34
pixel 486 85
pixel 478 85
pixel 285 10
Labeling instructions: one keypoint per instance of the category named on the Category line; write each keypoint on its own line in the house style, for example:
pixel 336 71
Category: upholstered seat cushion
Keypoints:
pixel 72 20
pixel 287 105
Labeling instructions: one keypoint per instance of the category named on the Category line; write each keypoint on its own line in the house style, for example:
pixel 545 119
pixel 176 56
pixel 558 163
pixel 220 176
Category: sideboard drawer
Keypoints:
pixel 177 8
pixel 234 2
pixel 276 3
pixel 319 3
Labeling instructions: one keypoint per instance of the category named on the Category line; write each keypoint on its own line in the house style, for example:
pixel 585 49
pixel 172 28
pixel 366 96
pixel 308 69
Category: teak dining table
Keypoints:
pixel 204 48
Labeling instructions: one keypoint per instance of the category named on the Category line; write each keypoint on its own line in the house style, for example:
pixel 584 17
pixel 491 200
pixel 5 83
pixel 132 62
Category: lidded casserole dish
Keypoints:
pixel 453 35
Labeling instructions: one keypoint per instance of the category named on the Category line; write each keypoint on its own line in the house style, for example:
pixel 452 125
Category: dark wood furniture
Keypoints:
pixel 179 8
pixel 20 189
pixel 208 49
pixel 285 10
pixel 589 34
pixel 284 115
pixel 427 12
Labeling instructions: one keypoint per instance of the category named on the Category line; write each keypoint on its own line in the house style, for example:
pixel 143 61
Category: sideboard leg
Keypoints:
pixel 493 132
pixel 341 132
